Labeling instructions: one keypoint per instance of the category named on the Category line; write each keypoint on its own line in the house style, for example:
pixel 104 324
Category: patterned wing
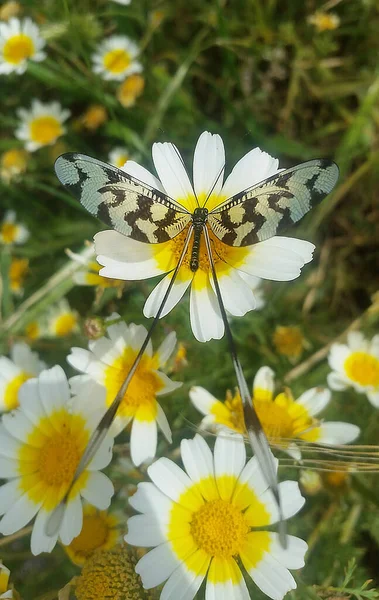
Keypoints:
pixel 121 201
pixel 268 208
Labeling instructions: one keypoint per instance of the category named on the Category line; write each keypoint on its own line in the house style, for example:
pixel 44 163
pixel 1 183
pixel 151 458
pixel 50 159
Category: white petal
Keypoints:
pixel 205 315
pixel 202 399
pixel 208 165
pixel 26 359
pixel 229 460
pixel 9 446
pixel 337 356
pixel 373 398
pixel 171 171
pixel 166 348
pixel 157 565
pixel 72 522
pixel 163 423
pixel 149 499
pixel 337 382
pixel 104 350
pixel 145 531
pixel 9 467
pixel 18 425
pixel 142 174
pixel 18 515
pixel 272 578
pixel 197 458
pixel 291 557
pixel 291 501
pixel 169 478
pixel 315 400
pixel 98 490
pixel 182 583
pixel 264 380
pixel 103 455
pixel 357 341
pixel 143 441
pixel 253 477
pixel 338 433
pixel 9 494
pixel 155 298
pixel 79 359
pixel 236 293
pixel 252 168
pixel 53 389
pixel 40 541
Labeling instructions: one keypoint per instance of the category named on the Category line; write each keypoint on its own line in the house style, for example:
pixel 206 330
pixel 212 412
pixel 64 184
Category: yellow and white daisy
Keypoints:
pixel 118 157
pixel 12 232
pixel 61 320
pixel 18 270
pixel 278 258
pixel 123 2
pixel 356 364
pixel 324 21
pixel 5 592
pixel 203 520
pixel 41 125
pixel 130 89
pixel 116 58
pixel 22 365
pixel 41 444
pixel 33 331
pixel 105 366
pixel 100 531
pixel 95 116
pixel 89 275
pixel 13 163
pixel 283 419
pixel 289 341
pixel 20 41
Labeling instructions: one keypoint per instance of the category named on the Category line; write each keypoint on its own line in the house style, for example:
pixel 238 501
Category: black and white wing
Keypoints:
pixel 268 208
pixel 126 204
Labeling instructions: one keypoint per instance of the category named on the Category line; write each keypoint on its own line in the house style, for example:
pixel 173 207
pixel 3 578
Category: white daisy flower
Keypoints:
pixel 123 2
pixel 201 520
pixel 61 320
pixel 41 125
pixel 41 444
pixel 89 274
pixel 278 258
pixel 106 365
pixel 5 592
pixel 116 58
pixel 118 157
pixel 22 365
pixel 356 364
pixel 12 232
pixel 20 41
pixel 284 420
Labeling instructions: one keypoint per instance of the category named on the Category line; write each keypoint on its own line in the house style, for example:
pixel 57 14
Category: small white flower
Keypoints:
pixel 105 366
pixel 118 157
pixel 123 2
pixel 12 232
pixel 61 320
pixel 201 520
pixel 20 41
pixel 356 364
pixel 41 125
pixel 115 58
pixel 41 444
pixel 237 268
pixel 22 365
pixel 284 420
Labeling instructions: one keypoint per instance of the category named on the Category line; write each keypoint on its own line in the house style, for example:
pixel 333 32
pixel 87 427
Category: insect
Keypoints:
pixel 146 214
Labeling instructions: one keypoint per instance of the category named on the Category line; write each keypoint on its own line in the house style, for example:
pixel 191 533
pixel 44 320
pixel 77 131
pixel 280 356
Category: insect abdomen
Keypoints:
pixel 194 262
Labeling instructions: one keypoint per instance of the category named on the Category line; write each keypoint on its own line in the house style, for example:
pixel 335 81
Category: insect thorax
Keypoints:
pixel 199 218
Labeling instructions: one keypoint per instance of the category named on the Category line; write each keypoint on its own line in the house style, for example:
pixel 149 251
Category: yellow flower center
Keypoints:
pixel 363 368
pixel 14 160
pixel 8 232
pixel 116 61
pixel 18 48
pixel 140 395
pixel 94 116
pixel 219 528
pixel 289 341
pixel 45 130
pixel 276 421
pixel 65 324
pixel 121 160
pixel 98 532
pixel 17 272
pixel 111 574
pixel 233 418
pixel 11 391
pixel 32 331
pixel 59 458
pixel 130 89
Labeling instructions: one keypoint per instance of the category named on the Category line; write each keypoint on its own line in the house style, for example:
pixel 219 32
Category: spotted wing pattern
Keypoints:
pixel 271 206
pixel 126 204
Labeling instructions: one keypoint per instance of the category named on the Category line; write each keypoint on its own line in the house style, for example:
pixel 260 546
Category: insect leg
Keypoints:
pixel 98 435
pixel 257 436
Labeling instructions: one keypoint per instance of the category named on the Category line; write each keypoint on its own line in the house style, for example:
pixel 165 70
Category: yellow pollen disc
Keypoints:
pixel 289 341
pixel 14 159
pixel 116 61
pixel 140 395
pixel 219 528
pixel 45 130
pixel 11 391
pixel 59 457
pixel 276 421
pixel 18 48
pixel 9 232
pixel 130 89
pixel 65 324
pixel 362 368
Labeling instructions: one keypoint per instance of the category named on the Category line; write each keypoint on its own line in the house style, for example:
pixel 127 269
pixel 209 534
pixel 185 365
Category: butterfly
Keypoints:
pixel 148 215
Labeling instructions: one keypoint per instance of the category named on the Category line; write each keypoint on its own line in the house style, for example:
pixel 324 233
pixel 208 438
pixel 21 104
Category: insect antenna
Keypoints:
pixel 55 520
pixel 256 435
pixel 214 184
